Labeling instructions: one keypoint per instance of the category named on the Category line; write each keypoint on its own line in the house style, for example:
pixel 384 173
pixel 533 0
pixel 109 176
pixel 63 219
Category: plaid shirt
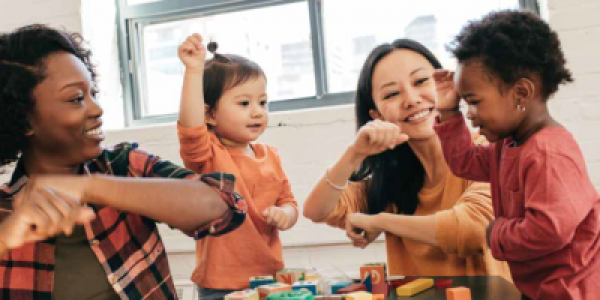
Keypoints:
pixel 127 245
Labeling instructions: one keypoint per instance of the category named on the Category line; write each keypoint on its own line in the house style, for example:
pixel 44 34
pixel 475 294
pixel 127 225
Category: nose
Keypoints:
pixel 411 97
pixel 257 110
pixel 94 109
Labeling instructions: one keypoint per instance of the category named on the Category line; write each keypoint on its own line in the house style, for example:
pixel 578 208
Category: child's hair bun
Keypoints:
pixel 212 47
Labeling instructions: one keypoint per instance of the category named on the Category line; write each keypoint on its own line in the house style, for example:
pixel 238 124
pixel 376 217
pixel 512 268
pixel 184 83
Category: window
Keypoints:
pixel 311 50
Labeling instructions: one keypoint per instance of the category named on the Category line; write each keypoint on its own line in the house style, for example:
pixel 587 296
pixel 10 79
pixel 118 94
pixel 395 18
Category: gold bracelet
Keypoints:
pixel 337 187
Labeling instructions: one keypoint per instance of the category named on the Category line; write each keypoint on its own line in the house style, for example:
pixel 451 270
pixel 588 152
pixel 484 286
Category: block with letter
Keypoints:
pixel 291 295
pixel 458 293
pixel 243 295
pixel 289 276
pixel 265 290
pixel 339 285
pixel 378 272
pixel 360 295
pixel 415 287
pixel 356 287
pixel 255 281
pixel 311 285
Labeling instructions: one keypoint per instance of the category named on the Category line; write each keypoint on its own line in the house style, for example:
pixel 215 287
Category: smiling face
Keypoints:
pixel 241 114
pixel 66 120
pixel 492 110
pixel 404 93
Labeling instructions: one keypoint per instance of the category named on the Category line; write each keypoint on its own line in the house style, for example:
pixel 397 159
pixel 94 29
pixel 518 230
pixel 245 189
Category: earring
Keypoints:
pixel 521 108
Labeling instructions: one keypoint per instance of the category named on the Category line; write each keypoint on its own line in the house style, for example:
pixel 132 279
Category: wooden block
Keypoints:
pixel 458 293
pixel 243 295
pixel 400 282
pixel 291 295
pixel 378 272
pixel 339 285
pixel 443 283
pixel 380 288
pixel 360 295
pixel 329 297
pixel 265 290
pixel 378 297
pixel 415 287
pixel 260 280
pixel 352 288
pixel 311 285
pixel 289 276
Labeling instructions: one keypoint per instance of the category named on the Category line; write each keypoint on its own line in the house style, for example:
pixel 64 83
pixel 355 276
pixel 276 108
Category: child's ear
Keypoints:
pixel 524 91
pixel 375 114
pixel 209 116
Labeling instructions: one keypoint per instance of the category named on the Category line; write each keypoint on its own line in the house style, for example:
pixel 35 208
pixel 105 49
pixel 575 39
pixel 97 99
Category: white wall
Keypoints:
pixel 310 140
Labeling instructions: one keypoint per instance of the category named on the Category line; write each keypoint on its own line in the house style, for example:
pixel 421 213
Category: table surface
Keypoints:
pixel 482 288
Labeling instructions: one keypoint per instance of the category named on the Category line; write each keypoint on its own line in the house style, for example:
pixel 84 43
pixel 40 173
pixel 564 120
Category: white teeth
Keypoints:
pixel 94 132
pixel 419 115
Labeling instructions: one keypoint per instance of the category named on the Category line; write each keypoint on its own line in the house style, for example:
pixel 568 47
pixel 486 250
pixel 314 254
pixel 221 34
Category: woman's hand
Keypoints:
pixel 377 136
pixel 192 53
pixel 362 229
pixel 42 213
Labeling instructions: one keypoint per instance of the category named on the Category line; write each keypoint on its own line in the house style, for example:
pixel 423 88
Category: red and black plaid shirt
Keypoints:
pixel 127 245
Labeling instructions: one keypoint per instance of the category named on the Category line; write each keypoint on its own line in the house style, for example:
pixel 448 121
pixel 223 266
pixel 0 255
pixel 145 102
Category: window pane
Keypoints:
pixel 351 35
pixel 284 54
pixel 138 2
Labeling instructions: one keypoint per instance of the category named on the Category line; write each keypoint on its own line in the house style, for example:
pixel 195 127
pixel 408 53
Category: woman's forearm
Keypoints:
pixel 183 204
pixel 418 228
pixel 324 198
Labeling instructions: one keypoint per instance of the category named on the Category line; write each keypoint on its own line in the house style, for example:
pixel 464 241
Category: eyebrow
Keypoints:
pixel 392 83
pixel 467 95
pixel 249 96
pixel 73 84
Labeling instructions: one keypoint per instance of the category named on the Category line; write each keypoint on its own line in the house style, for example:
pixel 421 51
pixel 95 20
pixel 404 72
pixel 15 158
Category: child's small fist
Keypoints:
pixel 192 52
pixel 276 216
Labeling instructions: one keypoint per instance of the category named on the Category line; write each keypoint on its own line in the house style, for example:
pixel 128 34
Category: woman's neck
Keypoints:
pixel 37 165
pixel 429 152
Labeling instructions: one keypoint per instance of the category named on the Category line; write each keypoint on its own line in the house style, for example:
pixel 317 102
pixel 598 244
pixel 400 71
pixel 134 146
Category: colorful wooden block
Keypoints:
pixel 289 276
pixel 311 285
pixel 291 295
pixel 260 280
pixel 458 293
pixel 415 287
pixel 400 282
pixel 380 288
pixel 352 288
pixel 443 283
pixel 378 272
pixel 243 295
pixel 339 285
pixel 360 295
pixel 368 283
pixel 265 290
pixel 378 297
pixel 329 297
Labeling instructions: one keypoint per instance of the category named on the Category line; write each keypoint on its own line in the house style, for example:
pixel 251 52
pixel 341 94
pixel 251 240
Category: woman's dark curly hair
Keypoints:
pixel 23 55
pixel 397 175
pixel 514 44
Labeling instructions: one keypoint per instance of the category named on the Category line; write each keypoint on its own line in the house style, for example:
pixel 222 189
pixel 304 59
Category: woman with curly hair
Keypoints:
pixel 74 226
pixel 547 210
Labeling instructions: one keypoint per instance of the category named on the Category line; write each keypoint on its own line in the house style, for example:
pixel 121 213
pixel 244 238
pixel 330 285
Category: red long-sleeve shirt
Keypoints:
pixel 547 209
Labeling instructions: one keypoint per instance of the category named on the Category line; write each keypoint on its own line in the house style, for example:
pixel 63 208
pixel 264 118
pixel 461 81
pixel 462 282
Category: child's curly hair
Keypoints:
pixel 23 55
pixel 513 44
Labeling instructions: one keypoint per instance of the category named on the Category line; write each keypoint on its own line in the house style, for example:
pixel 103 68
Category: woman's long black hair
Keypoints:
pixel 397 175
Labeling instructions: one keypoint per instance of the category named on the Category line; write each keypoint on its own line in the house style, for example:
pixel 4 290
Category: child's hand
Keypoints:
pixel 41 214
pixel 277 216
pixel 192 53
pixel 361 229
pixel 376 137
pixel 447 95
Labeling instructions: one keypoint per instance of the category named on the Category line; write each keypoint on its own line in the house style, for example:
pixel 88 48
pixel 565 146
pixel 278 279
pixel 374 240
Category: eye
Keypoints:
pixel 421 81
pixel 244 103
pixel 79 99
pixel 474 102
pixel 391 95
pixel 264 103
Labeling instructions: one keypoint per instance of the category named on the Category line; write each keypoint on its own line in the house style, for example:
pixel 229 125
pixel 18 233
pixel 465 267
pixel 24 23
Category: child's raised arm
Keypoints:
pixel 192 53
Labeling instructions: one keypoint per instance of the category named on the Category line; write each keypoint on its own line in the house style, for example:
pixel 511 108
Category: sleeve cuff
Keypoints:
pixel 231 219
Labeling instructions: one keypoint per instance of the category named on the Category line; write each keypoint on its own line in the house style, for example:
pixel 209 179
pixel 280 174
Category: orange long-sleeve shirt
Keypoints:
pixel 254 249
pixel 462 209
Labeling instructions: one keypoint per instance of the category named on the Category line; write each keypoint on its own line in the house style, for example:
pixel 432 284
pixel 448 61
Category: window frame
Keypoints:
pixel 131 18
